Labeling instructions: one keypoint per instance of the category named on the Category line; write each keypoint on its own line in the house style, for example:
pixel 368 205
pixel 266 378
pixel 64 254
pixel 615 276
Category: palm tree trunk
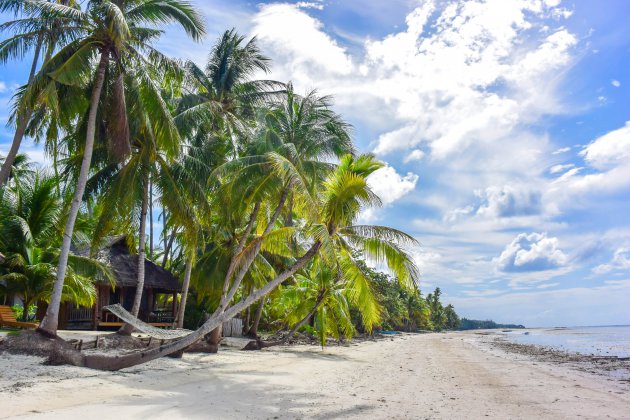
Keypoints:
pixel 50 321
pixel 253 331
pixel 127 329
pixel 22 123
pixel 151 220
pixel 167 249
pixel 111 362
pixel 182 303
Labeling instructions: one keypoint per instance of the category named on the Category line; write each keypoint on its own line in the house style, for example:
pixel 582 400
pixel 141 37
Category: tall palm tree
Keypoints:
pixel 343 194
pixel 223 96
pixel 33 33
pixel 112 36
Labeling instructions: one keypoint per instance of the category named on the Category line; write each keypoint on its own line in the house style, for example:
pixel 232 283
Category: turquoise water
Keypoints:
pixel 598 341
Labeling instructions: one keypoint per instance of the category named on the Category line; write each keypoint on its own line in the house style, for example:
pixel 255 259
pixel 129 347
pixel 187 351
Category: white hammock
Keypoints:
pixel 151 331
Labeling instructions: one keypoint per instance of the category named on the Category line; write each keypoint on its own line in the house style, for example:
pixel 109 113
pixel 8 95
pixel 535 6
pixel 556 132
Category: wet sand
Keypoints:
pixel 453 375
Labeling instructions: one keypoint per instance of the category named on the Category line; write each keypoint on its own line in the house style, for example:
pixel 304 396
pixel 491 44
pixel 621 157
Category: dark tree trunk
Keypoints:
pixel 127 329
pixel 253 331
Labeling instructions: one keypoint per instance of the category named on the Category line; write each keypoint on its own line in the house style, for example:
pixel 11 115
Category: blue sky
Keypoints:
pixel 504 127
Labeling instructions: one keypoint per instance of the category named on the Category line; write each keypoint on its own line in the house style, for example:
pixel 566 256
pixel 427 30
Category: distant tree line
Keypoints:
pixel 473 324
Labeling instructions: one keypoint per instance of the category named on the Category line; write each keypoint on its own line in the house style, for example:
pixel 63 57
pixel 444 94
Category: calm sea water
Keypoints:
pixel 598 341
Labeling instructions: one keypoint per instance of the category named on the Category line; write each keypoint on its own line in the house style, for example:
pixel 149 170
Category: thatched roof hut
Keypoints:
pixel 125 267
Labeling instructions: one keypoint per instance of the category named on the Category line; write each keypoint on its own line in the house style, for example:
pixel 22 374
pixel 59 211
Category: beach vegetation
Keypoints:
pixel 259 188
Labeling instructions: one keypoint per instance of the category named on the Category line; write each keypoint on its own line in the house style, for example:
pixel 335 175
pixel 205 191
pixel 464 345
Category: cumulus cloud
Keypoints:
pixel 390 186
pixel 299 43
pixel 3 87
pixel 531 252
pixel 615 83
pixel 509 201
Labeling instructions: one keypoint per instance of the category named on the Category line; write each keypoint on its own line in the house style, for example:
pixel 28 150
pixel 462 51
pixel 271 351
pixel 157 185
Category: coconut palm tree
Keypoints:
pixel 33 33
pixel 113 36
pixel 222 97
pixel 329 295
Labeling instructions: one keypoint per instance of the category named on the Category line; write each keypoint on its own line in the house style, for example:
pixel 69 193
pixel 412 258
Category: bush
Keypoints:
pixel 18 311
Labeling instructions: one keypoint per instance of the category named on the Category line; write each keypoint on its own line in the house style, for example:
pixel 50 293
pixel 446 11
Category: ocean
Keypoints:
pixel 595 341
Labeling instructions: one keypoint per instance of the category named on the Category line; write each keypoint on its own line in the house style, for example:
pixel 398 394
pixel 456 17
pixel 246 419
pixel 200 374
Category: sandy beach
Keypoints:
pixel 453 375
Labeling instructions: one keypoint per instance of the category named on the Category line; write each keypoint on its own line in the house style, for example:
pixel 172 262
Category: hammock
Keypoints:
pixel 143 327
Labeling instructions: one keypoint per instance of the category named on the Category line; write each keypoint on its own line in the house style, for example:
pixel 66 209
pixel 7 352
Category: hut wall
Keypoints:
pixel 233 328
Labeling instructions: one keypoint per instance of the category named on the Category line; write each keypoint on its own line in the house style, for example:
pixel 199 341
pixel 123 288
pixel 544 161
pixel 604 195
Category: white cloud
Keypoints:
pixel 390 186
pixel 615 83
pixel 555 169
pixel 416 154
pixel 561 150
pixel 531 252
pixel 610 149
pixel 310 5
pixel 509 201
pixel 3 87
pixel 601 305
pixel 620 261
pixel 298 43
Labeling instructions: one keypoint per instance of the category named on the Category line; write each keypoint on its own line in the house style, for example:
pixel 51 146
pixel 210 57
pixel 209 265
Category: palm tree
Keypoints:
pixel 222 97
pixel 30 213
pixel 343 194
pixel 298 137
pixel 329 295
pixel 33 33
pixel 113 37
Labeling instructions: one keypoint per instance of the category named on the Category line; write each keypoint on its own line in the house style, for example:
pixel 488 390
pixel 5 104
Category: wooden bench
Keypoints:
pixel 8 319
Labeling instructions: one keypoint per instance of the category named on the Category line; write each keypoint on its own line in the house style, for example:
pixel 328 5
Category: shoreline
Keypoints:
pixel 610 368
pixel 447 375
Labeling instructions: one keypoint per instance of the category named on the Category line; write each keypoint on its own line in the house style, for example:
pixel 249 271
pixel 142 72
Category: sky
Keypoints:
pixel 504 126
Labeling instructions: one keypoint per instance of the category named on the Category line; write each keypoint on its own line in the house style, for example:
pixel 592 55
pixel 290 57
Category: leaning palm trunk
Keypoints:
pixel 105 362
pixel 20 130
pixel 50 321
pixel 127 329
pixel 182 303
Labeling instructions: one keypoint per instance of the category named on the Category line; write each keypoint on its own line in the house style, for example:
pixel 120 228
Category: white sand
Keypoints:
pixel 414 376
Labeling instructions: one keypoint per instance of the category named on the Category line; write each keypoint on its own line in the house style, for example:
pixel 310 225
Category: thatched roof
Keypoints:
pixel 125 267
